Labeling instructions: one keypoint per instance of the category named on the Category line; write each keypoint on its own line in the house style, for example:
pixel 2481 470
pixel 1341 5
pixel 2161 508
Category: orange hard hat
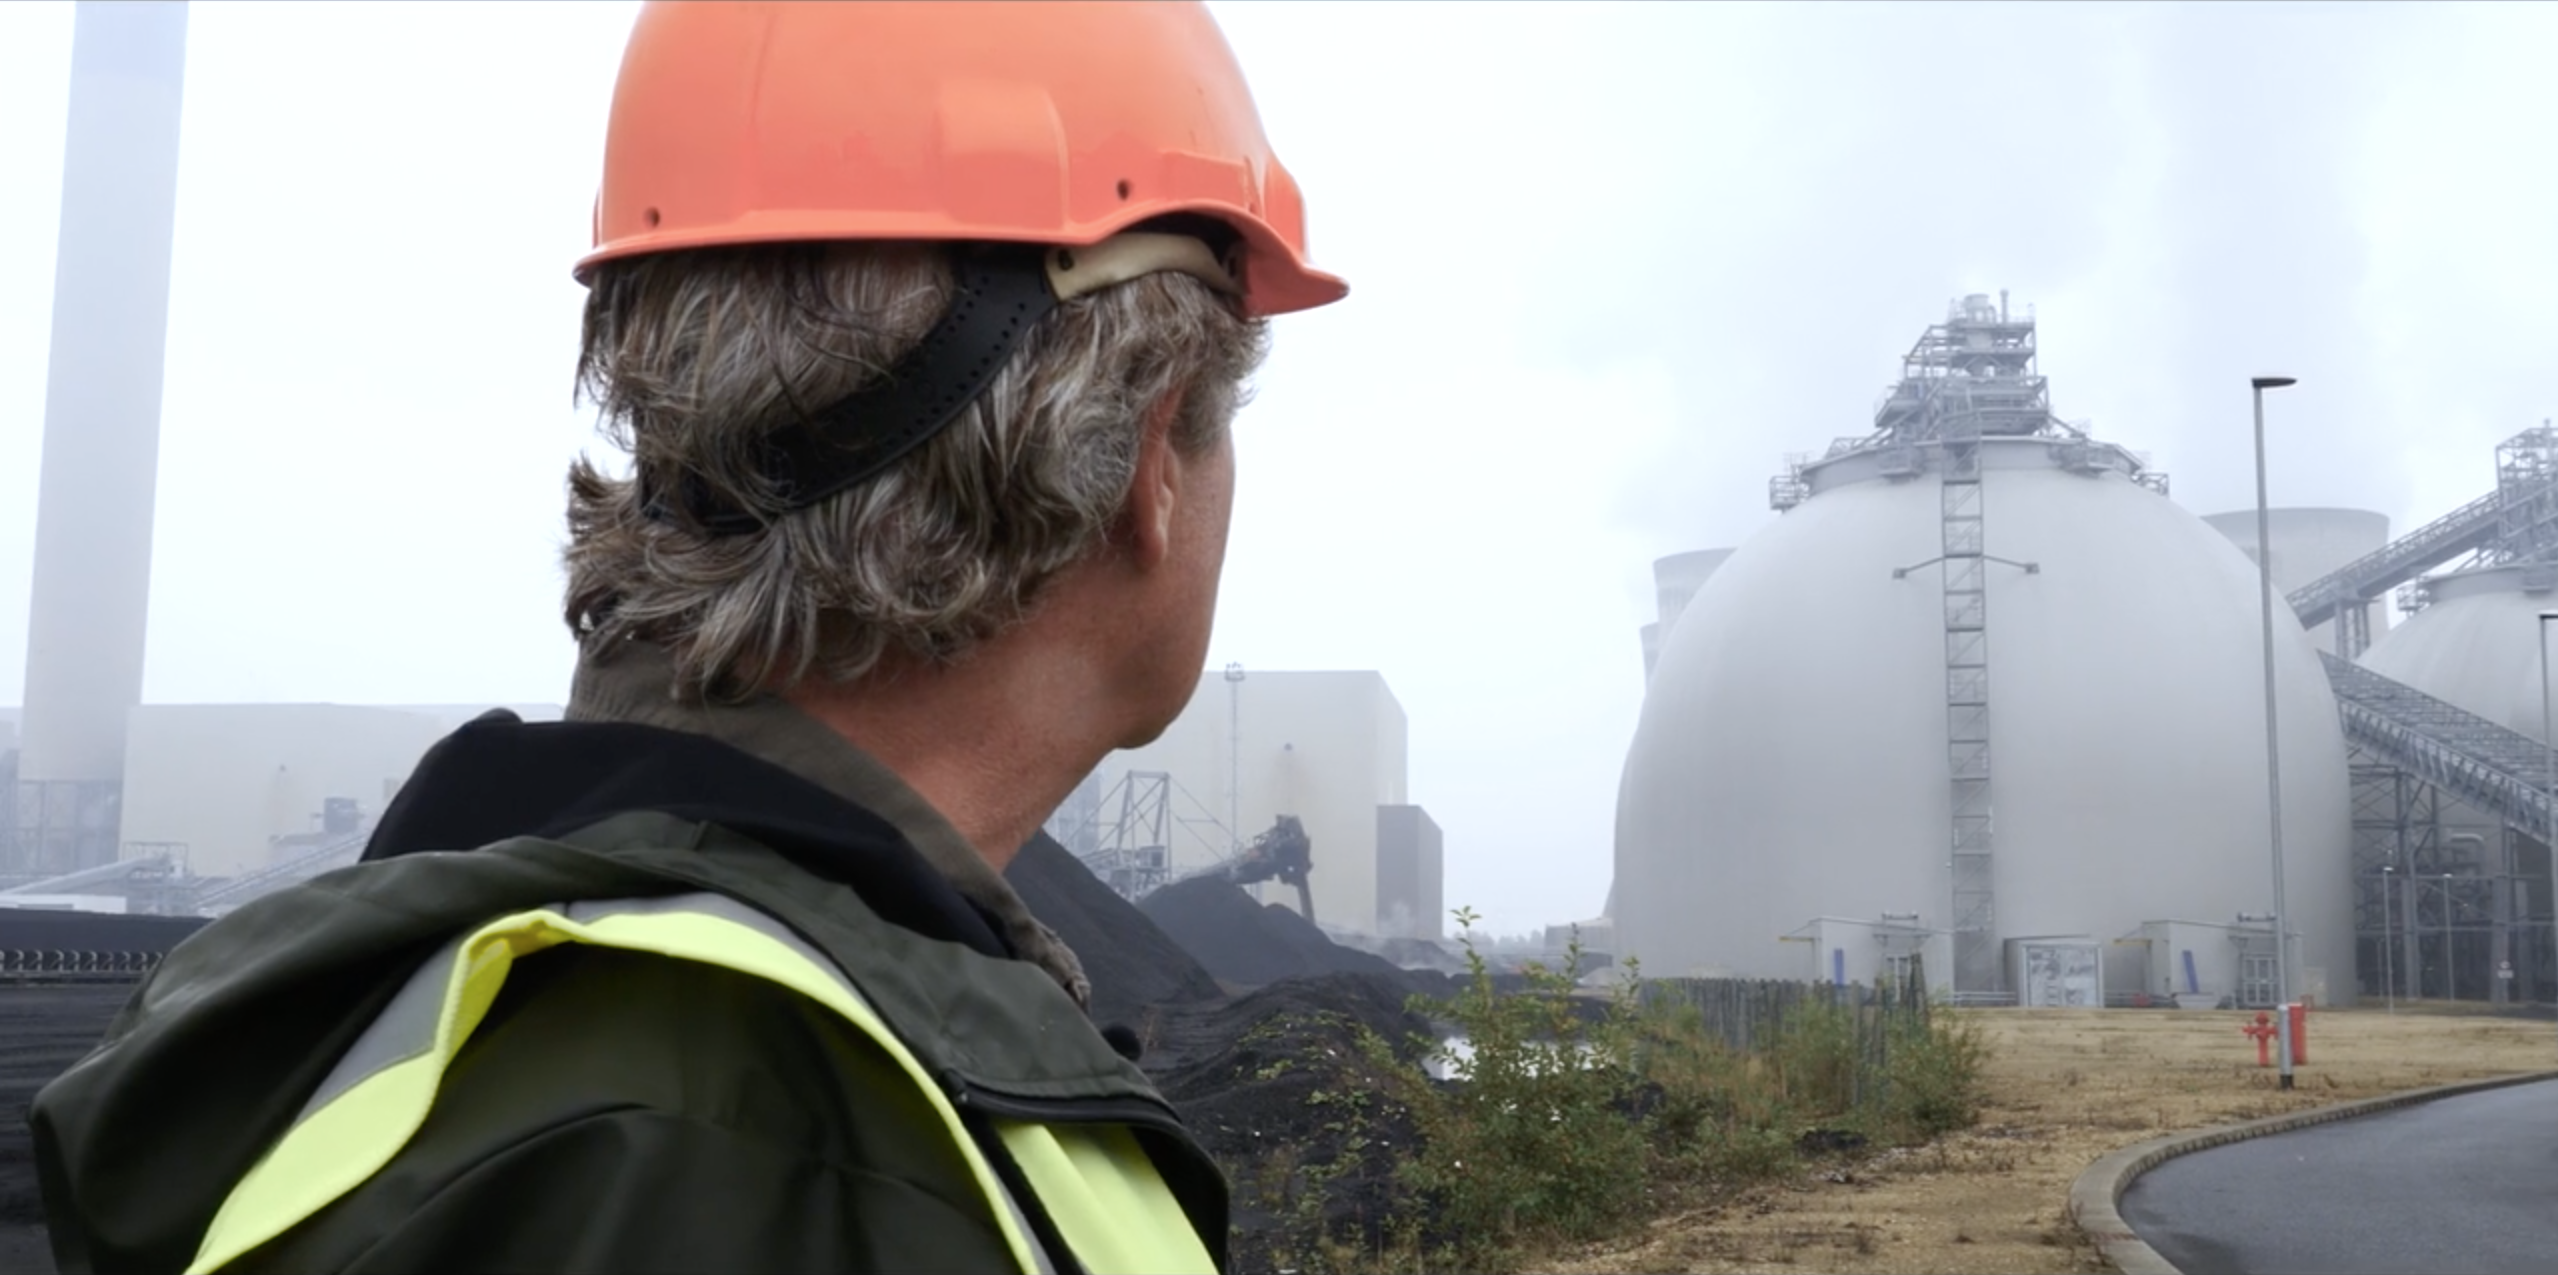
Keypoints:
pixel 1037 123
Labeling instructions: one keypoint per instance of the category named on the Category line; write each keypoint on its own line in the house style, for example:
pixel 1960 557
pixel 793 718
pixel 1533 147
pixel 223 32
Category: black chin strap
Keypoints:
pixel 999 292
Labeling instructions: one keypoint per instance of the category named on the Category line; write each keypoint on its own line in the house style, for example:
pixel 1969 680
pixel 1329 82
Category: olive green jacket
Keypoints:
pixel 613 1111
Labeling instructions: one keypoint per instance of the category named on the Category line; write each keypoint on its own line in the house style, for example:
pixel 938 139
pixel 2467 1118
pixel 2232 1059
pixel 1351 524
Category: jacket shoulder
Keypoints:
pixel 627 1111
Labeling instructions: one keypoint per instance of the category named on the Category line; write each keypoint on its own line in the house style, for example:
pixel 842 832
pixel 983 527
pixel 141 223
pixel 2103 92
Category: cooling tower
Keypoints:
pixel 101 428
pixel 2309 543
pixel 1679 576
pixel 1675 579
pixel 1794 760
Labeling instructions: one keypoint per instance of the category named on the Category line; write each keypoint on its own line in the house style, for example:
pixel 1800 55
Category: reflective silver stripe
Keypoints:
pixel 404 1029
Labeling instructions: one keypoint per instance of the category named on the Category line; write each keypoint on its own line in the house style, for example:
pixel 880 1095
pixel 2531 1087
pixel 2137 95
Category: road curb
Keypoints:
pixel 2096 1196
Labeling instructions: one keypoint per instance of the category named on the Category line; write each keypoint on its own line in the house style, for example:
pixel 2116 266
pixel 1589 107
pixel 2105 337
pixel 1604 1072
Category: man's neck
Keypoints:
pixel 992 741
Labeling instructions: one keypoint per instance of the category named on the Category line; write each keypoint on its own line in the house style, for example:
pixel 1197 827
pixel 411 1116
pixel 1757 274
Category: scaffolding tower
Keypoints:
pixel 1134 853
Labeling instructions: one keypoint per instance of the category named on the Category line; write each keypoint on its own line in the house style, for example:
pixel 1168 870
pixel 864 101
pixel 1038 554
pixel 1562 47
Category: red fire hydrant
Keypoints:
pixel 2263 1030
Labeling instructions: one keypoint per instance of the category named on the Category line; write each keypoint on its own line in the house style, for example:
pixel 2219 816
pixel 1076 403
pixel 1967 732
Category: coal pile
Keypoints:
pixel 1132 964
pixel 43 1030
pixel 1244 1075
pixel 1252 944
pixel 1421 954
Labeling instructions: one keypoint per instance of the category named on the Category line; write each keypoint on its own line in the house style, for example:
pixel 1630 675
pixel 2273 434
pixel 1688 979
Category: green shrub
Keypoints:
pixel 1568 1118
pixel 1817 1056
pixel 1536 1140
pixel 1934 1076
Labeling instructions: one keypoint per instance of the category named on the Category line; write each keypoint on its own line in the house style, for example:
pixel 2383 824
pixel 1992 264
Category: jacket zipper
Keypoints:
pixel 1134 1113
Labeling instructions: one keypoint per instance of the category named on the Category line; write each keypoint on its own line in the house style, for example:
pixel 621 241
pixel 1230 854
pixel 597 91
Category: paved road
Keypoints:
pixel 2466 1184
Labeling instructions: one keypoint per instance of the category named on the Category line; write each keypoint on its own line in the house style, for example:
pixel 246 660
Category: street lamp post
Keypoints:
pixel 2548 738
pixel 2451 979
pixel 1234 760
pixel 2273 739
pixel 2388 967
pixel 2451 976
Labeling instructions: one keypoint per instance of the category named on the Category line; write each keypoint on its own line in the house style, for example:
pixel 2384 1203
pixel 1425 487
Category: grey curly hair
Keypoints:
pixel 694 356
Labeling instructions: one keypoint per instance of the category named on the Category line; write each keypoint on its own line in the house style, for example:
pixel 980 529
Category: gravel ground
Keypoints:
pixel 2065 1086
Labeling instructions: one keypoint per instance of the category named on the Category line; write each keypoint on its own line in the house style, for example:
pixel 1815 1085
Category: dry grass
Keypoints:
pixel 2065 1087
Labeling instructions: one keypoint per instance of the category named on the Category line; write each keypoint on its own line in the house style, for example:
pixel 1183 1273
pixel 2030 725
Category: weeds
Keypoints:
pixel 1567 1118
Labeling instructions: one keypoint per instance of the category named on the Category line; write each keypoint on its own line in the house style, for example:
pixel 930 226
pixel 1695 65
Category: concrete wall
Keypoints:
pixel 225 779
pixel 1411 874
pixel 1327 747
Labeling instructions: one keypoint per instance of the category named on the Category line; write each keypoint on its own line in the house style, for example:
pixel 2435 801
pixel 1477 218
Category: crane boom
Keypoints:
pixel 1285 853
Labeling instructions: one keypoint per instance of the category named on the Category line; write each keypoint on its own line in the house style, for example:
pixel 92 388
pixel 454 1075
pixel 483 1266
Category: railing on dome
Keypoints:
pixel 1973 376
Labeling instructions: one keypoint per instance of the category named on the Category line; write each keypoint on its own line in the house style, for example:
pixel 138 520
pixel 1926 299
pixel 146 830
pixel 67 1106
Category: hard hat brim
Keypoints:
pixel 1276 280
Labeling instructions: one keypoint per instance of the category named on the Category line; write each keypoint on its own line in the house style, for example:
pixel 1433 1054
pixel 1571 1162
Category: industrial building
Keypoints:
pixel 1983 695
pixel 1326 747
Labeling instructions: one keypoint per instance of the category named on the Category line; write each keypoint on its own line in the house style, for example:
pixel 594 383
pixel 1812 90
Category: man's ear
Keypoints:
pixel 1155 495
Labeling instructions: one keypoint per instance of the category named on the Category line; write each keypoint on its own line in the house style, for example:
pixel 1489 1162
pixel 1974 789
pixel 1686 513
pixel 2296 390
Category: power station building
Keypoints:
pixel 1326 747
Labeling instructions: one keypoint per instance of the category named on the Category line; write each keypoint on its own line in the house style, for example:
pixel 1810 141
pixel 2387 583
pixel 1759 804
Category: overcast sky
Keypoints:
pixel 1610 263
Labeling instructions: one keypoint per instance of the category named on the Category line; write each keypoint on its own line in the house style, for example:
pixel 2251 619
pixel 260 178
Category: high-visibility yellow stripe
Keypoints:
pixel 349 1138
pixel 1110 1206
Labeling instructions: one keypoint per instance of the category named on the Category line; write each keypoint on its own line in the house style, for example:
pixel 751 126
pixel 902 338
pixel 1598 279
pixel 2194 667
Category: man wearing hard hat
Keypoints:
pixel 924 325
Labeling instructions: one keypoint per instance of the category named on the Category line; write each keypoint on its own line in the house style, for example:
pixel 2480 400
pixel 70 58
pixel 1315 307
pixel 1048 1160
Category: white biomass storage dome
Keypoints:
pixel 1792 760
pixel 2475 645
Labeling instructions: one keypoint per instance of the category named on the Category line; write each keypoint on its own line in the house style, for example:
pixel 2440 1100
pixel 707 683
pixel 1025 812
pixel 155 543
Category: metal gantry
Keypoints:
pixel 2517 523
pixel 1134 851
pixel 2442 908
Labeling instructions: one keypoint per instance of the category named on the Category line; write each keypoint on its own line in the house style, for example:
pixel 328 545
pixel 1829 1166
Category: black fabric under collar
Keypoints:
pixel 500 777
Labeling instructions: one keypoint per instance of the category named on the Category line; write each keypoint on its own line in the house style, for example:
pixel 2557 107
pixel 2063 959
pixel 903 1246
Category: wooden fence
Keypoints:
pixel 1865 1023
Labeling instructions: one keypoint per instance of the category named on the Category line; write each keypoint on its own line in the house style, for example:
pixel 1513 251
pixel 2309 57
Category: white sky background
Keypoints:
pixel 1610 263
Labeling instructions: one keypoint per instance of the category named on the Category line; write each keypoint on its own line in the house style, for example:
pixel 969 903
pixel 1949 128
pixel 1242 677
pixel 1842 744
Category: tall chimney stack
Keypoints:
pixel 101 429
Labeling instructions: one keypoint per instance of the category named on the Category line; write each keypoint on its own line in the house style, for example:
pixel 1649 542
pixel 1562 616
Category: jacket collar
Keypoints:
pixel 633 683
